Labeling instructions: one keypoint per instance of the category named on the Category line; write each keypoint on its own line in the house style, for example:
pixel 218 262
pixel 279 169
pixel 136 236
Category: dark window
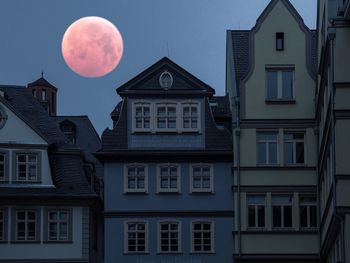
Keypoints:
pixel 294 148
pixel 58 225
pixel 282 211
pixel 256 211
pixel 68 130
pixel 202 237
pixel 26 225
pixel 279 83
pixel 43 94
pixel 279 41
pixel 267 147
pixel 308 212
pixel 2 166
pixel 169 237
pixel 2 225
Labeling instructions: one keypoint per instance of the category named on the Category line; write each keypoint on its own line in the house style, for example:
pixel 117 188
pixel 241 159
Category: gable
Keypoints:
pixel 16 130
pixel 150 81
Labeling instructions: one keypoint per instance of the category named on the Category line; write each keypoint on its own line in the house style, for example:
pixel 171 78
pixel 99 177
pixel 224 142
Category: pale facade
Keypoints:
pixel 271 80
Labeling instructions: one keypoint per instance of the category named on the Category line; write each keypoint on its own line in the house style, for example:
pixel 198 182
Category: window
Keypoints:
pixel 34 93
pixel 201 178
pixel 190 116
pixel 256 211
pixel 2 166
pixel 136 235
pixel 308 212
pixel 279 41
pixel 135 178
pixel 142 120
pixel 27 167
pixel 166 116
pixel 202 237
pixel 26 225
pixel 267 147
pixel 282 211
pixel 2 225
pixel 68 129
pixel 280 84
pixel 169 237
pixel 43 94
pixel 59 225
pixel 294 148
pixel 168 178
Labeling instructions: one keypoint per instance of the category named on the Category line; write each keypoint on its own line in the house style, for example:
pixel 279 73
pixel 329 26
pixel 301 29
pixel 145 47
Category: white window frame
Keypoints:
pixel 267 143
pixel 256 210
pixel 212 236
pixel 294 142
pixel 27 163
pixel 142 103
pixel 282 211
pixel 168 190
pixel 202 190
pixel 279 70
pixel 166 104
pixel 126 176
pixel 126 239
pixel 308 206
pixel 197 116
pixel 27 221
pixel 179 236
pixel 58 223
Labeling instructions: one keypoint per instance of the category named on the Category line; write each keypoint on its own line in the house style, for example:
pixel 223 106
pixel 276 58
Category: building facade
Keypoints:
pixel 167 174
pixel 271 81
pixel 333 121
pixel 48 208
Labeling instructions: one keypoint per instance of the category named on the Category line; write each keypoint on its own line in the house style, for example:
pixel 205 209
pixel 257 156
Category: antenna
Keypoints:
pixel 167 49
pixel 42 73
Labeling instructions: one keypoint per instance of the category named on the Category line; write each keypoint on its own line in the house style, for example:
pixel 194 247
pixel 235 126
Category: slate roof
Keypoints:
pixel 65 161
pixel 41 82
pixel 87 138
pixel 222 106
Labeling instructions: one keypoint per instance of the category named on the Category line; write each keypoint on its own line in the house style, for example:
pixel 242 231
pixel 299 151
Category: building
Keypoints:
pixel 167 171
pixel 49 210
pixel 271 81
pixel 333 121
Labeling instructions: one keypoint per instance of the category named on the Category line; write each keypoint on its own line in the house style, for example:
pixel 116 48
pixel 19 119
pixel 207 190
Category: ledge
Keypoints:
pixel 280 101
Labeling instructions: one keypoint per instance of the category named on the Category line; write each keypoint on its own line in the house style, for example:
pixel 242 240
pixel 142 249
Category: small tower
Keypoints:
pixel 45 93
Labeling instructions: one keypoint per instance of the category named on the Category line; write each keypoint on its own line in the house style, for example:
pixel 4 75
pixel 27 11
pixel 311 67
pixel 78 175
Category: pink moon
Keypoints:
pixel 92 46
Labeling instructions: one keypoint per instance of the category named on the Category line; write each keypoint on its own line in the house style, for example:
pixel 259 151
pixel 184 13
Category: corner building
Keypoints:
pixel 167 174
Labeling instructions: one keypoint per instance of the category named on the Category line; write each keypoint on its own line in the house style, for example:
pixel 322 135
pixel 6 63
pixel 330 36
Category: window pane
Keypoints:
pixel 313 216
pixel 271 84
pixel 277 220
pixel 288 218
pixel 288 152
pixel 303 216
pixel 261 216
pixel 299 152
pixel 287 84
pixel 251 216
pixel 262 153
pixel 272 153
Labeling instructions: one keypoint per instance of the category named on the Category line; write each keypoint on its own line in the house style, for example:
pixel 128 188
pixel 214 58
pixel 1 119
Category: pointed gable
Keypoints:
pixel 150 81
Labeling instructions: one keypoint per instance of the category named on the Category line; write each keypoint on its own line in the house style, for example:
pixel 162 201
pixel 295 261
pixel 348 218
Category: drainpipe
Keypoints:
pixel 332 35
pixel 236 128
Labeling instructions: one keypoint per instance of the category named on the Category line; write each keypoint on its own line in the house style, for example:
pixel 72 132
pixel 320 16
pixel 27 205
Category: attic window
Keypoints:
pixel 279 41
pixel 68 130
pixel 166 80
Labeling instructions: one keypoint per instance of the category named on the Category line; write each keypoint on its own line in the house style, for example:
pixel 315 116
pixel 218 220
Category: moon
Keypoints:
pixel 92 46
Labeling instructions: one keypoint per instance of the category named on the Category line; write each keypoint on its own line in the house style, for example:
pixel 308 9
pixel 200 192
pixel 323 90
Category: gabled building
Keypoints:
pixel 47 204
pixel 271 79
pixel 333 120
pixel 167 171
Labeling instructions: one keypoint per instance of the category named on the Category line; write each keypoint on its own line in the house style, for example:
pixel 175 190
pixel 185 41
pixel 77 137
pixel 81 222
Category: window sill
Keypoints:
pixel 169 192
pixel 284 229
pixel 170 253
pixel 58 242
pixel 280 101
pixel 204 192
pixel 135 192
pixel 136 253
pixel 202 252
pixel 295 165
pixel 25 242
pixel 257 229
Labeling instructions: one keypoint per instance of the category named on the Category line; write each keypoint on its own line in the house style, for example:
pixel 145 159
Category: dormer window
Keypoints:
pixel 43 94
pixel 279 41
pixel 27 167
pixel 68 129
pixel 166 116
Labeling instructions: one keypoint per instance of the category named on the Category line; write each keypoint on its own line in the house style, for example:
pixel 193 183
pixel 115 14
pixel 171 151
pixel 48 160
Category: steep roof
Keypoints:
pixel 65 160
pixel 86 137
pixel 41 82
pixel 242 46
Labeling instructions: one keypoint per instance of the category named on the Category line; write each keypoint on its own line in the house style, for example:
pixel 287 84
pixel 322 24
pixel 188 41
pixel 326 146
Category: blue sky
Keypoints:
pixel 194 31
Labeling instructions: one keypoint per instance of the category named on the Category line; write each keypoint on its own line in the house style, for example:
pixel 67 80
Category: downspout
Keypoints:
pixel 332 35
pixel 238 154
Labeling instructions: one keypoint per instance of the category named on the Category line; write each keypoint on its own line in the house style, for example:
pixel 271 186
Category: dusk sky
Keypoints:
pixel 194 31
